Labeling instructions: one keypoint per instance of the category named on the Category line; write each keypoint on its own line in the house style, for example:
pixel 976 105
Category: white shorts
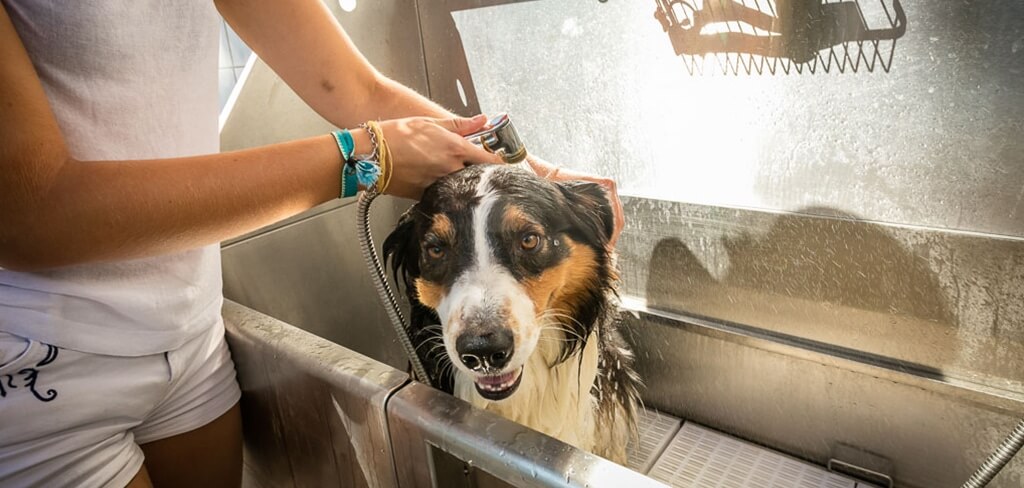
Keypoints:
pixel 73 419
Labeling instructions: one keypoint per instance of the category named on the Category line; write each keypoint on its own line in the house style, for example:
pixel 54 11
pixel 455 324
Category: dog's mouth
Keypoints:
pixel 500 386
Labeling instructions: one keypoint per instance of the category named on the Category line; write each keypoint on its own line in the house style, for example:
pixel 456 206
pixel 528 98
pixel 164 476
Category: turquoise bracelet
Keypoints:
pixel 349 181
pixel 345 143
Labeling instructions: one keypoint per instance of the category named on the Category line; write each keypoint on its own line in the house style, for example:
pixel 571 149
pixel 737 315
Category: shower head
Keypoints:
pixel 500 137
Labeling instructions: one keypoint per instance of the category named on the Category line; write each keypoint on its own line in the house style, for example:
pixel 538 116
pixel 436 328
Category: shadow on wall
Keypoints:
pixel 772 36
pixel 837 281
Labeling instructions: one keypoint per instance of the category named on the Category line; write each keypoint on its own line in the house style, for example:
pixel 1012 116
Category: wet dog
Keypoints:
pixel 512 287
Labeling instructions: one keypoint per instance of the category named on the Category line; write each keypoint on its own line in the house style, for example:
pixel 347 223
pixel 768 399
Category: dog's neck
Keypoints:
pixel 551 394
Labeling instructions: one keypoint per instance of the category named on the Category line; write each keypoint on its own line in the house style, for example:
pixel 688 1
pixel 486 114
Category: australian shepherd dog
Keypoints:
pixel 512 287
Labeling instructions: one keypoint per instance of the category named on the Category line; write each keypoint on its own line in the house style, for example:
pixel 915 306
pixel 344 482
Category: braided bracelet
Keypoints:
pixel 346 145
pixel 368 171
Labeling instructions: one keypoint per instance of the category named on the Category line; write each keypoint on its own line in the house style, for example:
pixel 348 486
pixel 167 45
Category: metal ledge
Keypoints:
pixel 995 399
pixel 313 411
pixel 423 418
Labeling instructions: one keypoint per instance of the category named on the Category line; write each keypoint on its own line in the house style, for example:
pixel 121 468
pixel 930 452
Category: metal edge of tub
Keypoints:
pixel 425 422
pixel 297 387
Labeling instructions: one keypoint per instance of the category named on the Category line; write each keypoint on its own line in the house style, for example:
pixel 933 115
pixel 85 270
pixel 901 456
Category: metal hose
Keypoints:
pixel 1004 453
pixel 380 282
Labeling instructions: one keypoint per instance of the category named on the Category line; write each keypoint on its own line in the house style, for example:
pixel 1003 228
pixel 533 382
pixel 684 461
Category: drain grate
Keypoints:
pixel 701 458
pixel 656 431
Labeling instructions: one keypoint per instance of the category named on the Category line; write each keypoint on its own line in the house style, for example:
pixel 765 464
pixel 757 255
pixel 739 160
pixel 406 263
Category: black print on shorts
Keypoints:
pixel 28 377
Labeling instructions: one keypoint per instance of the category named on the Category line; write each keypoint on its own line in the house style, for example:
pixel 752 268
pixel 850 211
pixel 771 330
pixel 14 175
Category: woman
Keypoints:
pixel 113 198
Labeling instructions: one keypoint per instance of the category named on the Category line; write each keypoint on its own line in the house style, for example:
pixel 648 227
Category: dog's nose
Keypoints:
pixel 492 349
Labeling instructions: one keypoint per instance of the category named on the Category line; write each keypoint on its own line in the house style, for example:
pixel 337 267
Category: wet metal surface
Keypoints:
pixel 950 304
pixel 933 139
pixel 313 412
pixel 421 417
pixel 805 333
pixel 311 274
pixel 809 406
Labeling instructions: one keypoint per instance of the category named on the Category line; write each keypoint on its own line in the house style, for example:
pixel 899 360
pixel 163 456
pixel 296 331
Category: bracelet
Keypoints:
pixel 386 162
pixel 345 143
pixel 349 184
pixel 376 172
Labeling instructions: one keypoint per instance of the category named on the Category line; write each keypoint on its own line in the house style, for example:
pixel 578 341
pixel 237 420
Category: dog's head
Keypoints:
pixel 502 257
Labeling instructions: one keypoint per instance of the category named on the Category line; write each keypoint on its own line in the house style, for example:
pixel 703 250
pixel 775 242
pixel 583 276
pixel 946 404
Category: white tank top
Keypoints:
pixel 127 79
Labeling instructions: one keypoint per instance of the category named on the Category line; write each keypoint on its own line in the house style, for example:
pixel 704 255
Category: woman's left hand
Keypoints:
pixel 554 173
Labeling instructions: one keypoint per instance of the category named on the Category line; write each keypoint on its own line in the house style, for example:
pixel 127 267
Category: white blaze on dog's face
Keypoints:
pixel 497 260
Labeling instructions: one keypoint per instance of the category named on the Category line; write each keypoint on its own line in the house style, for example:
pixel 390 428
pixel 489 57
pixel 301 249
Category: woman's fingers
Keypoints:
pixel 553 173
pixel 617 211
pixel 475 154
pixel 463 126
pixel 467 151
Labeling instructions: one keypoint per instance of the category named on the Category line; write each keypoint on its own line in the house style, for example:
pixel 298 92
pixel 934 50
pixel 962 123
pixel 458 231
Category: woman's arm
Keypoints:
pixel 56 210
pixel 304 44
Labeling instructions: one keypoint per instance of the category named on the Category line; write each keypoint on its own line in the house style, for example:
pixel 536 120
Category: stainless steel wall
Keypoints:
pixel 313 412
pixel 931 135
pixel 824 247
pixel 807 333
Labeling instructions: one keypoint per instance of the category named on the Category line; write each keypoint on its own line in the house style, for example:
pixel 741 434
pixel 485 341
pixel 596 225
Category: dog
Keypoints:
pixel 512 288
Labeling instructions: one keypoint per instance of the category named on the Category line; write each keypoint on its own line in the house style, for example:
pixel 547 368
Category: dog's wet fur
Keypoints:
pixel 517 271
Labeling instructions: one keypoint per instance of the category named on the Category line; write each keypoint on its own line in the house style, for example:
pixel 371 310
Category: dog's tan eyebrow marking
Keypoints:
pixel 561 287
pixel 429 293
pixel 442 227
pixel 516 219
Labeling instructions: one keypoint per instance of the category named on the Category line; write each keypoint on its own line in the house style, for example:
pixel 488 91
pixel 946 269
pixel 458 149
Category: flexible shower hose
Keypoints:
pixel 1003 454
pixel 380 282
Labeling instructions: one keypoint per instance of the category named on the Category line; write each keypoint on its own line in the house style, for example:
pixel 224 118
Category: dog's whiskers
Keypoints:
pixel 432 340
pixel 437 347
pixel 559 326
pixel 560 314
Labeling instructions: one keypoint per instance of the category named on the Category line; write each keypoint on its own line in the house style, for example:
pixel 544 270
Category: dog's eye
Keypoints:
pixel 530 242
pixel 435 251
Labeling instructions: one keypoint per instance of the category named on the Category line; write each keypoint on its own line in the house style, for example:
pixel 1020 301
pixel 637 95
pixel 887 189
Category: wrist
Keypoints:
pixel 361 140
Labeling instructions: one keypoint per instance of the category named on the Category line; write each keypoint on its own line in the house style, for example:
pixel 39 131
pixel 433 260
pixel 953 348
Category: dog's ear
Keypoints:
pixel 402 251
pixel 591 209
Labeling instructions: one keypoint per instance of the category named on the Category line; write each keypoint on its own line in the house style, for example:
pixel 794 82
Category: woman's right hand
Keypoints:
pixel 424 149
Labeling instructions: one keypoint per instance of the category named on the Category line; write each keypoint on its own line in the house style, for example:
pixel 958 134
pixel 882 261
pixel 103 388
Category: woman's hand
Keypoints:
pixel 553 173
pixel 424 149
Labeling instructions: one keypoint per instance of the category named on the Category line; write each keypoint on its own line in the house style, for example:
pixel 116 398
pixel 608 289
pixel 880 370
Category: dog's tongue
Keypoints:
pixel 497 380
